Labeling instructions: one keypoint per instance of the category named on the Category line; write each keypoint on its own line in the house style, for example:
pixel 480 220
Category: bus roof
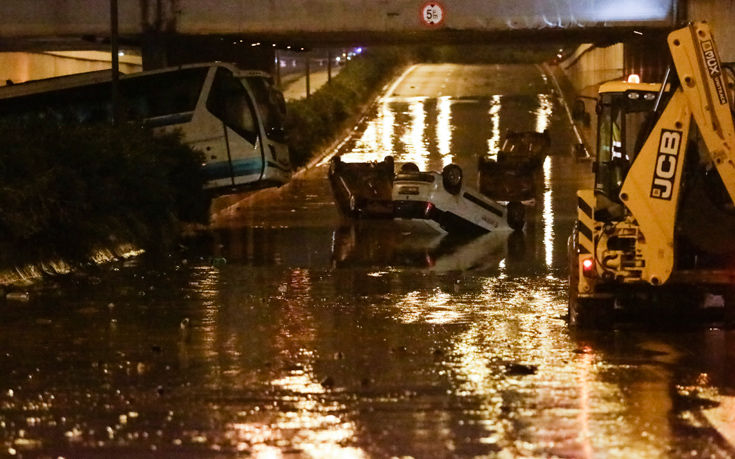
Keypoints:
pixel 49 84
pixel 89 78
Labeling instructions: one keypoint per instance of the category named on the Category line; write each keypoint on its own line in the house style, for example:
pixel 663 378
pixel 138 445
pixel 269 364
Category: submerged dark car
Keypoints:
pixel 363 189
pixel 514 175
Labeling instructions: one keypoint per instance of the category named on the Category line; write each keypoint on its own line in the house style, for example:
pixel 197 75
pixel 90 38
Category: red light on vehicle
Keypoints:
pixel 634 78
pixel 429 208
pixel 587 265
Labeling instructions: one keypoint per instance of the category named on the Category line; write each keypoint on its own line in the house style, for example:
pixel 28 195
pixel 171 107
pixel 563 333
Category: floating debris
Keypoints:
pixel 185 329
pixel 20 297
pixel 521 369
pixel 219 261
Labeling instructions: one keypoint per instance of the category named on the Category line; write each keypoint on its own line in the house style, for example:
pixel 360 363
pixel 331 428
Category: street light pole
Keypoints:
pixel 115 96
pixel 308 76
pixel 329 65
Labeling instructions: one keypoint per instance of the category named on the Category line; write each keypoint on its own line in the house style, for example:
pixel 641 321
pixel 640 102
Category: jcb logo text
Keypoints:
pixel 666 162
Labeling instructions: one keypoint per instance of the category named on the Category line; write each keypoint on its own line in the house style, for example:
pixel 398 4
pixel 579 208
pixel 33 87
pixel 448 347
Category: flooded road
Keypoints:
pixel 287 331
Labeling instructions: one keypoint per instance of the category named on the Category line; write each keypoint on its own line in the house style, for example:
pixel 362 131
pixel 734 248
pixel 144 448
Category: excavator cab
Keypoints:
pixel 622 111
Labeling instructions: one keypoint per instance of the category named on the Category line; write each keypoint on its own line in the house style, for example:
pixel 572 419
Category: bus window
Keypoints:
pixel 162 94
pixel 229 102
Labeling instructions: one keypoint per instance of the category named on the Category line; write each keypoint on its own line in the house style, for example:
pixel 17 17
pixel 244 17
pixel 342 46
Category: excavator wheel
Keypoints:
pixel 586 313
pixel 573 277
pixel 592 313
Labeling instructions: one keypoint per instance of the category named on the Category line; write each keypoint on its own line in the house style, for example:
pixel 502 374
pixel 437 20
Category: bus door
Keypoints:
pixel 236 160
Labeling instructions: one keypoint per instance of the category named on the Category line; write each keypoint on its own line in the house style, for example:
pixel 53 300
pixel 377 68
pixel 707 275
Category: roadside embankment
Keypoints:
pixel 314 122
pixel 71 192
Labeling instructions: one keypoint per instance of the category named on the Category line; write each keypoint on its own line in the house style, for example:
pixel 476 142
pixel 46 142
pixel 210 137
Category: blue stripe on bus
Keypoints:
pixel 221 169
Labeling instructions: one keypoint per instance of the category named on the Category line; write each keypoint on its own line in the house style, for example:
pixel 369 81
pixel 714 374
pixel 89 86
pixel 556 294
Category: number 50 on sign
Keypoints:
pixel 432 13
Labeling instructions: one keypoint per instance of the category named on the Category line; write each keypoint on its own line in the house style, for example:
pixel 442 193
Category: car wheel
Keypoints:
pixel 452 178
pixel 407 168
pixel 516 215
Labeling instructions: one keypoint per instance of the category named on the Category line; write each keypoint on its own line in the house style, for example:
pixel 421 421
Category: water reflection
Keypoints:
pixel 308 337
pixel 493 143
pixel 444 130
pixel 433 132
pixel 384 244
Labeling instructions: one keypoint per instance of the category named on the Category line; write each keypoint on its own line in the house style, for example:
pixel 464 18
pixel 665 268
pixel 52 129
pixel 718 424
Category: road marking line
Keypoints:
pixel 722 418
pixel 398 81
pixel 564 104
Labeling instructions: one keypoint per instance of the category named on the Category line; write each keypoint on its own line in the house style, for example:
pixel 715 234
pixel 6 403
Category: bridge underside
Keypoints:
pixel 598 35
pixel 60 23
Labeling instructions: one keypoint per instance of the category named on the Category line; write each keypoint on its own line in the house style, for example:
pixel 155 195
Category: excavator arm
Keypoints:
pixel 705 86
pixel 652 187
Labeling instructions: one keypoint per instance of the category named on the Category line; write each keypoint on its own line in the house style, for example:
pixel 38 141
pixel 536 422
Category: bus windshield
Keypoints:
pixel 271 105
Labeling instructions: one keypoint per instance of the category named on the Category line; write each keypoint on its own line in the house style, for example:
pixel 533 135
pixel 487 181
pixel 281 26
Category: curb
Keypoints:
pixel 562 98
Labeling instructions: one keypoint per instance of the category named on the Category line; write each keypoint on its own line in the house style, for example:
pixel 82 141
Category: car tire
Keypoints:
pixel 516 215
pixel 452 178
pixel 408 168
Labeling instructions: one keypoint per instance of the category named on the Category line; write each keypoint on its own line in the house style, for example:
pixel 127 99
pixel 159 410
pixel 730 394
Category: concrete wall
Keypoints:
pixel 20 67
pixel 590 65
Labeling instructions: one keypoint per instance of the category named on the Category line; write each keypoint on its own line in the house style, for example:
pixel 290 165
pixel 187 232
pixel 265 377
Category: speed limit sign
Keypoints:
pixel 432 14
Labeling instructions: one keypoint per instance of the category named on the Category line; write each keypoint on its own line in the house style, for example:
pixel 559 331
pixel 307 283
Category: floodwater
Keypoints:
pixel 287 331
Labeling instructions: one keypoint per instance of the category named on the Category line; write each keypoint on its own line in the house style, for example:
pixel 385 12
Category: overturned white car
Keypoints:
pixel 442 201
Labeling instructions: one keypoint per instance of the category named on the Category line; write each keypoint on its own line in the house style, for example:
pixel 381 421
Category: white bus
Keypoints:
pixel 234 117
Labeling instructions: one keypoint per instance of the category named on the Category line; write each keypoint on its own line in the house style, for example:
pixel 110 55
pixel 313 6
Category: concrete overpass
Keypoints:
pixel 25 23
pixel 177 31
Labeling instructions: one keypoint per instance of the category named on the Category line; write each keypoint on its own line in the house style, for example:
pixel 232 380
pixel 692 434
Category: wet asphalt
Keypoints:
pixel 287 330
